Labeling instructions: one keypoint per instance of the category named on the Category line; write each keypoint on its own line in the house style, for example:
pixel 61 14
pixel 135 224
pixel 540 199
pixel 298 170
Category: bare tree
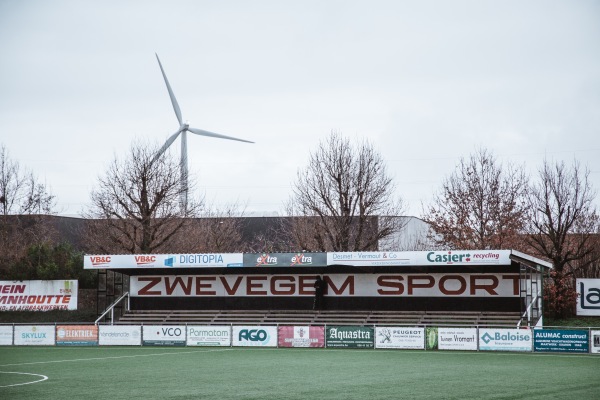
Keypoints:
pixel 135 206
pixel 218 230
pixel 563 220
pixel 24 202
pixel 482 205
pixel 20 192
pixel 339 196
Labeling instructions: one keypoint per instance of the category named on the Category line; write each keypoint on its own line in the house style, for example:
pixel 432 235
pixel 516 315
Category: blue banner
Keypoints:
pixel 560 340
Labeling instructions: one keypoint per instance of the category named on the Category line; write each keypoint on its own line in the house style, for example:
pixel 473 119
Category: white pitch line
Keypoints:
pixel 44 377
pixel 113 357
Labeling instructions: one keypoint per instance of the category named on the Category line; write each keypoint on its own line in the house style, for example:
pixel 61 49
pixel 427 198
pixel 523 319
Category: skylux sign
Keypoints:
pixel 337 285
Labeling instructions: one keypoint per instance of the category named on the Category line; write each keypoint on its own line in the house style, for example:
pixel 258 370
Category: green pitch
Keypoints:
pixel 243 373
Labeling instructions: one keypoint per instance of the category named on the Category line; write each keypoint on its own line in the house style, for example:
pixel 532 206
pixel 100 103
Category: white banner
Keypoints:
pixel 457 338
pixel 149 261
pixel 595 342
pixel 588 297
pixel 35 335
pixel 6 335
pixel 209 336
pixel 396 337
pixel 163 335
pixel 38 295
pixel 421 258
pixel 344 285
pixel 505 339
pixel 119 335
pixel 263 336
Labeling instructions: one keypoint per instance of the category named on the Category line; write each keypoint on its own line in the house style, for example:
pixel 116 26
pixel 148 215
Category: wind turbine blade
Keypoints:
pixel 215 135
pixel 171 94
pixel 166 145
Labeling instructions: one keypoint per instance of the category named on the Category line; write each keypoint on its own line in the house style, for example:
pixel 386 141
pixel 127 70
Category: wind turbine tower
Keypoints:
pixel 184 128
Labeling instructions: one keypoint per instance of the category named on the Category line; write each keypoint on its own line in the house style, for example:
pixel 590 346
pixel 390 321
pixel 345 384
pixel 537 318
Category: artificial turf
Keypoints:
pixel 247 373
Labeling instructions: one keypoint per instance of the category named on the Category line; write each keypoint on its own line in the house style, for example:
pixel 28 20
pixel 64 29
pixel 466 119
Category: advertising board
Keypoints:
pixel 163 335
pixel 77 335
pixel 336 285
pixel 349 336
pixel 431 338
pixel 208 336
pixel 120 335
pixel 301 336
pixel 420 258
pixel 34 335
pixel 505 339
pixel 261 336
pixel 151 261
pixel 588 297
pixel 285 260
pixel 595 342
pixel 399 338
pixel 560 340
pixel 6 335
pixel 457 338
pixel 38 295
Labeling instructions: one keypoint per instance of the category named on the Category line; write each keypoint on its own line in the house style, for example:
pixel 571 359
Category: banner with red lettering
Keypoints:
pixel 152 261
pixel 344 285
pixel 38 295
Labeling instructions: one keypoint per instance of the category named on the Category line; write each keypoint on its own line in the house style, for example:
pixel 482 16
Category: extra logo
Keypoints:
pixel 300 259
pixel 254 335
pixel 266 259
pixel 100 261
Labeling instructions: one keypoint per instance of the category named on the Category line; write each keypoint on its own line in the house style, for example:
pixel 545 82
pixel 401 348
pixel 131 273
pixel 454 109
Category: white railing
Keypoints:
pixel 527 313
pixel 111 309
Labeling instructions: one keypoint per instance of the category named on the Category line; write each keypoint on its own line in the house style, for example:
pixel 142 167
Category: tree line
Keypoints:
pixel 344 199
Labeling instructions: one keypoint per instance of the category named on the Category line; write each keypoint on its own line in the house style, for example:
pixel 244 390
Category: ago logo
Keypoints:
pixel 254 335
pixel 266 259
pixel 142 261
pixel 100 261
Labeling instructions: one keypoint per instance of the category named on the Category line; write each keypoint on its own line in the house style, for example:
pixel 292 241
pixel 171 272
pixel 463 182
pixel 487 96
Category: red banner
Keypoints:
pixel 301 336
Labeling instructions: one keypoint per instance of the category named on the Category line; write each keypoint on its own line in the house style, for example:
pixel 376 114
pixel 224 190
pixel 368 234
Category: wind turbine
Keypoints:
pixel 184 128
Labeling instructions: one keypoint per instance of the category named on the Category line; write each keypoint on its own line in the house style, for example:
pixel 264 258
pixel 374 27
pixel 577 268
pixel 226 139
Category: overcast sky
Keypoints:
pixel 427 82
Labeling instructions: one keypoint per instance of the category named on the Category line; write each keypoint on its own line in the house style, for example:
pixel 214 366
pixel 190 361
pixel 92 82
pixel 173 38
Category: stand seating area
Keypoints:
pixel 323 317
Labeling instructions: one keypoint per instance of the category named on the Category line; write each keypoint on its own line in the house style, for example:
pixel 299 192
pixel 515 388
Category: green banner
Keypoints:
pixel 350 336
pixel 431 338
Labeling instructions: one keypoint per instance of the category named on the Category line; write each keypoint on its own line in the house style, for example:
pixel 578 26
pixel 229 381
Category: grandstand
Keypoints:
pixel 442 288
pixel 330 317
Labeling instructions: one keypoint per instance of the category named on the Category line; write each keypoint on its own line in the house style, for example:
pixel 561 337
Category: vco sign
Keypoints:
pixel 158 335
pixel 264 336
pixel 588 297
